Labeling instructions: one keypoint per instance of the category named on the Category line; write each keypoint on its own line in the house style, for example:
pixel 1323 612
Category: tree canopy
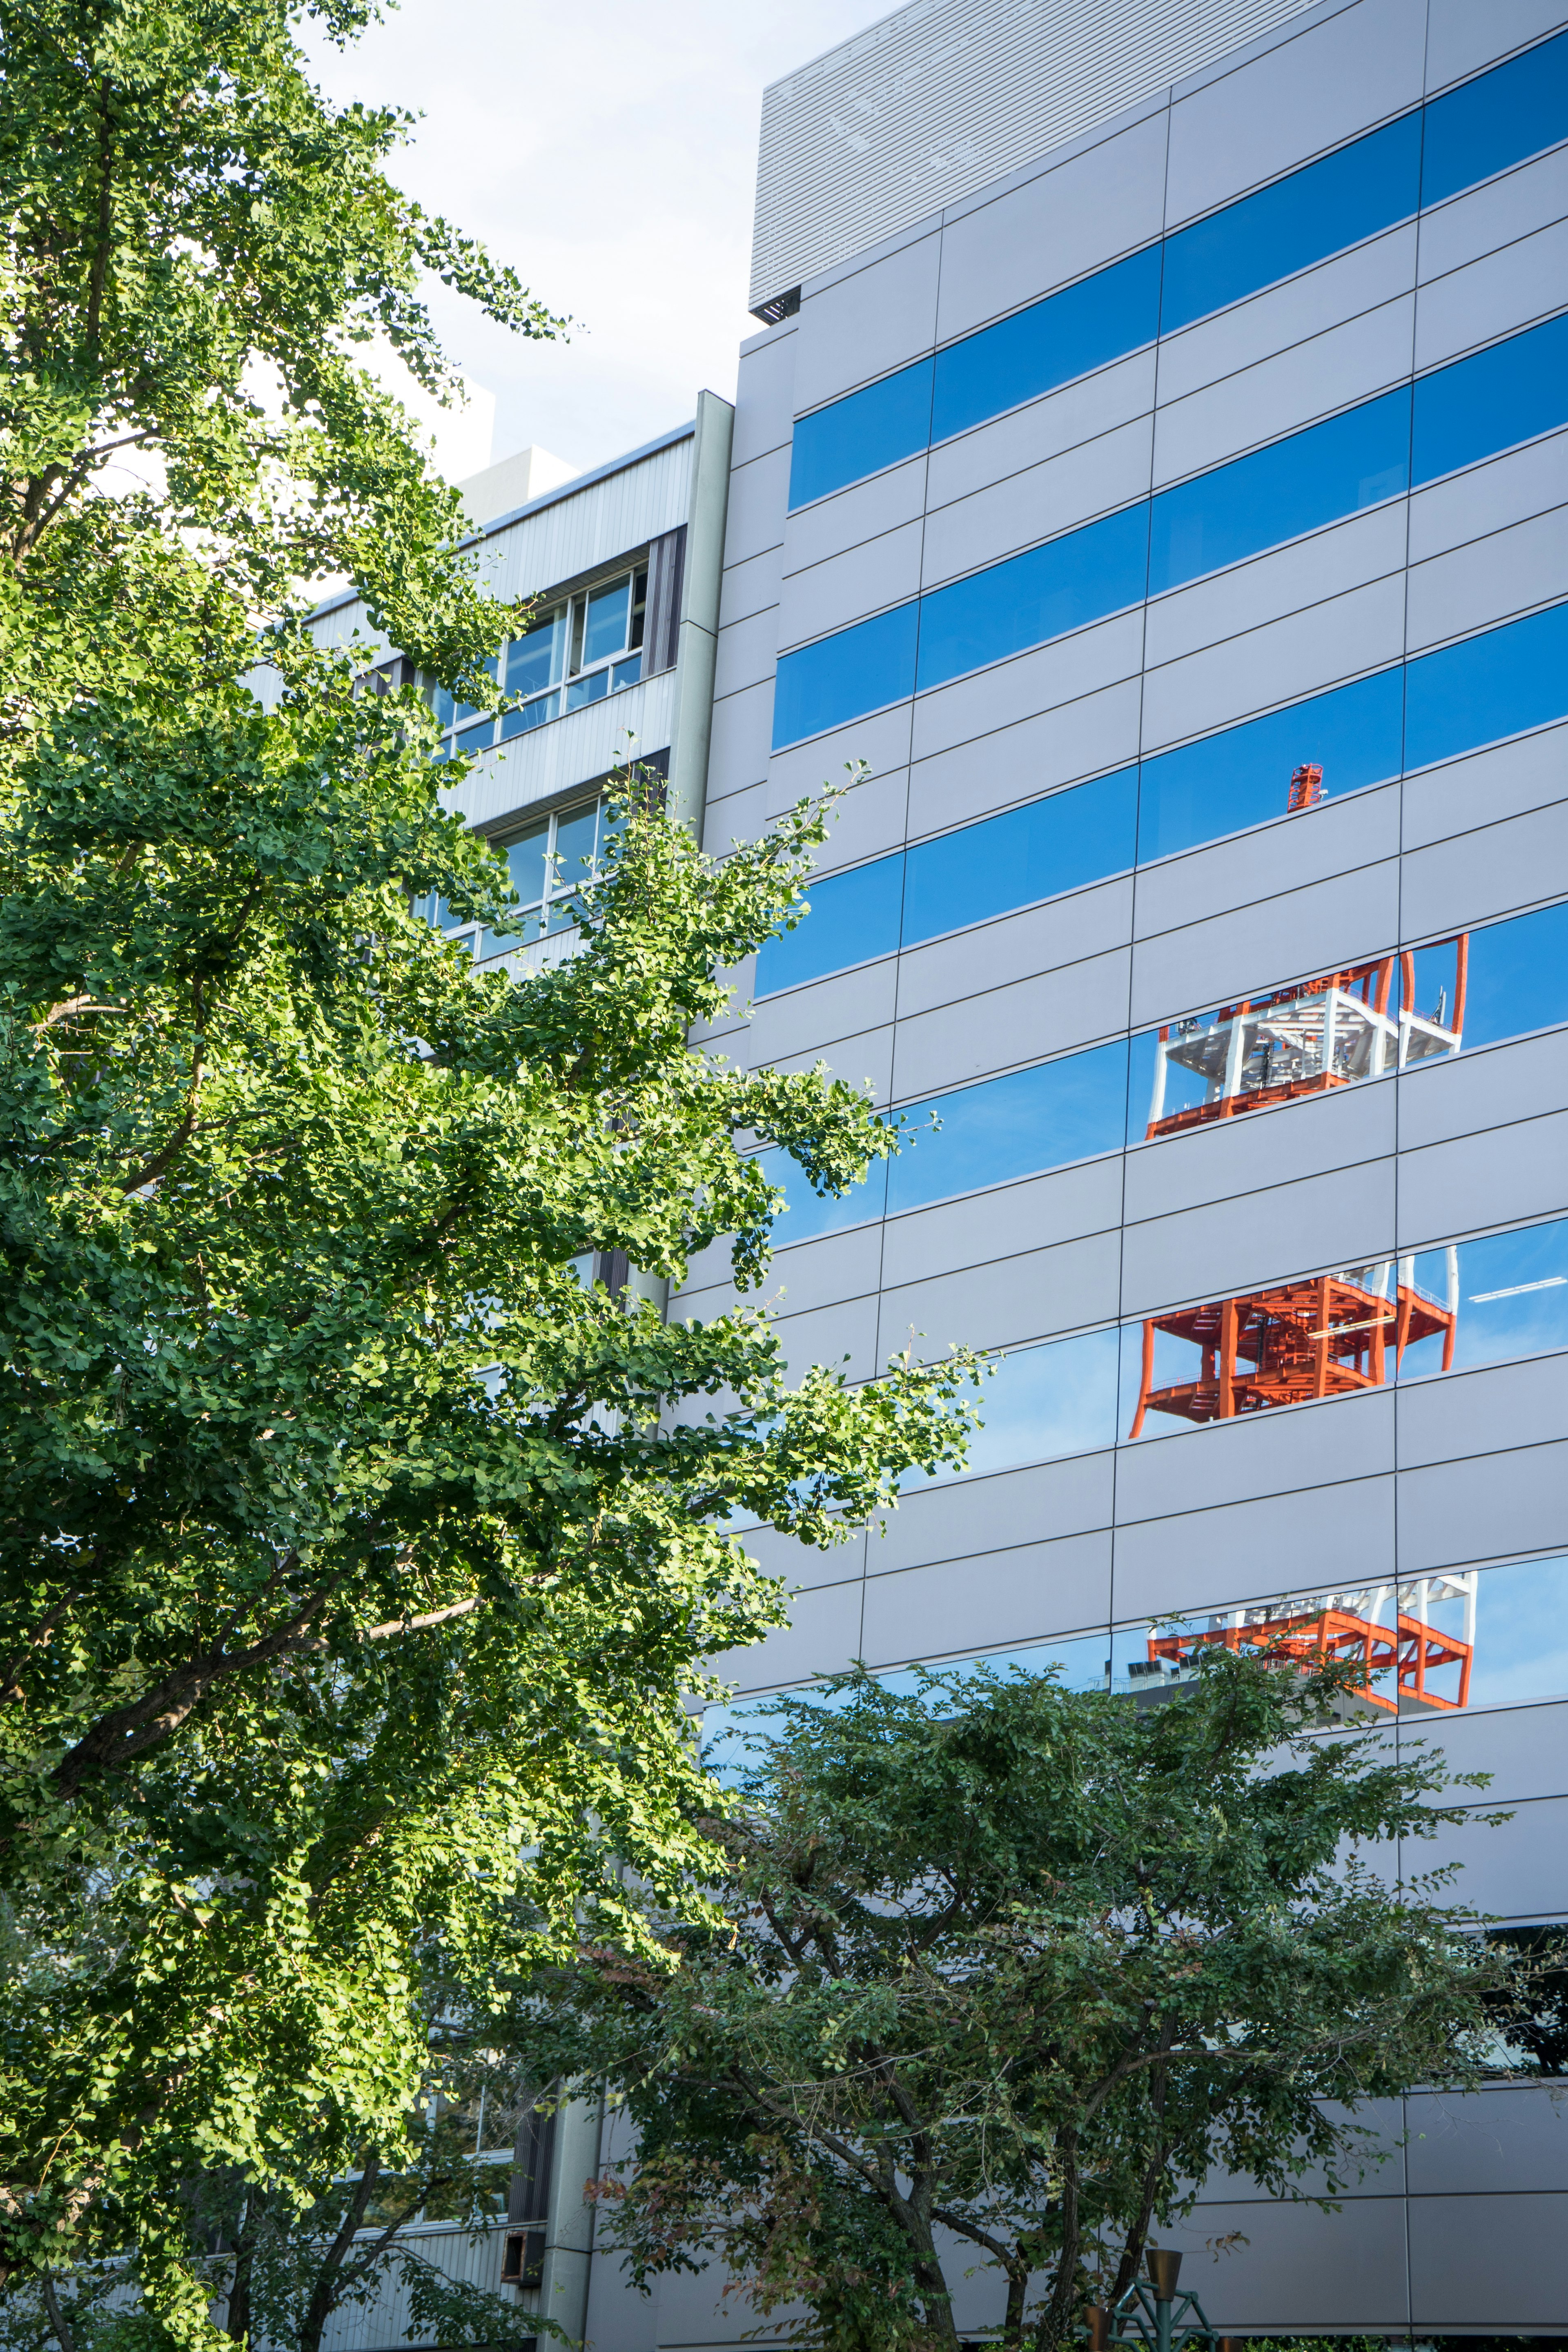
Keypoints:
pixel 1005 1972
pixel 357 1558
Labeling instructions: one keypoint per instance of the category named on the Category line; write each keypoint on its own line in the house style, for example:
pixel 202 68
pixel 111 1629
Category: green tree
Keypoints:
pixel 357 1559
pixel 1007 1972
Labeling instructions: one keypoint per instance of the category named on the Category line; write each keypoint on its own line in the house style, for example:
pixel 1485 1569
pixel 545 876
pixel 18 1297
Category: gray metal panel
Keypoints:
pixel 1042 428
pixel 1500 782
pixel 991 771
pixel 803 1566
pixel 1011 1300
pixel 867 821
pixel 1309 90
pixel 822 1636
pixel 1088 923
pixel 1110 471
pixel 992 1030
pixel 1297 2267
pixel 805 1017
pixel 1343 363
pixel 1491 297
pixel 746 652
pixel 1002 1511
pixel 844 588
pixel 1483 1508
pixel 1485 1180
pixel 1460 37
pixel 844 1338
pixel 1488 2262
pixel 1278 663
pixel 1281 1452
pixel 739 816
pixel 1288 580
pixel 1287 315
pixel 1343 1218
pixel 764 394
pixel 861 141
pixel 863 511
pixel 1483 1089
pixel 1028 686
pixel 876 318
pixel 758 494
pixel 738 748
pixel 1063 1206
pixel 1265 1148
pixel 1517 1868
pixel 1004 1597
pixel 1062 222
pixel 1314 929
pixel 1494 214
pixel 1207 1558
pixel 882 742
pixel 1501 2137
pixel 1488 872
pixel 864 1062
pixel 1524 1748
pixel 1505 572
pixel 1488 497
pixel 820 1273
pixel 751 587
pixel 1487 1411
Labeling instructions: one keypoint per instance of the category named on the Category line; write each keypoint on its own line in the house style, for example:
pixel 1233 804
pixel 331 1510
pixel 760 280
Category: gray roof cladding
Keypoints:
pixel 536 506
pixel 942 96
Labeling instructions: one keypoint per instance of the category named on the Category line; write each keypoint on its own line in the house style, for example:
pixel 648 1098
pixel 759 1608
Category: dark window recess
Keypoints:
pixel 531 2156
pixel 612 1268
pixel 386 677
pixel 522 2261
pixel 661 627
pixel 780 306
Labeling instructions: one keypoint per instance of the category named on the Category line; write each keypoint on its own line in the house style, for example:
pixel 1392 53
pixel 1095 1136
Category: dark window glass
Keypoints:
pixel 1083 327
pixel 534 660
pixel 844 676
pixel 591 689
pixel 479 737
pixel 1014 1125
pixel 854 917
pixel 861 434
pixel 1242 777
pixel 1497 120
pixel 1317 211
pixel 1491 400
pixel 1057 844
pixel 806 1213
pixel 1332 469
pixel 1501 684
pixel 532 714
pixel 1042 593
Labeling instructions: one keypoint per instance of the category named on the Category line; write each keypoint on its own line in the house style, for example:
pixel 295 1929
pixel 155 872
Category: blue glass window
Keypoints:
pixel 844 676
pixel 1083 327
pixel 806 1214
pixel 1495 120
pixel 535 660
pixel 1520 1632
pixel 1332 469
pixel 861 434
pixel 1509 1294
pixel 1057 844
pixel 1501 684
pixel 1319 210
pixel 608 616
pixel 1242 777
pixel 1488 402
pixel 1044 1402
pixel 1042 593
pixel 1014 1125
pixel 854 918
pixel 1518 977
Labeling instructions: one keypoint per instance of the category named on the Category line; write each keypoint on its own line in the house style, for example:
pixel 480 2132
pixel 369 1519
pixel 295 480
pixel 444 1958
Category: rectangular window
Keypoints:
pixel 1508 1293
pixel 1018 1125
pixel 861 434
pixel 1499 683
pixel 1298 221
pixel 1517 979
pixel 844 676
pixel 546 864
pixel 1489 401
pixel 853 918
pixel 1061 843
pixel 1069 334
pixel 1043 1403
pixel 574 654
pixel 807 1215
pixel 1240 778
pixel 1499 118
pixel 1315 477
pixel 1042 593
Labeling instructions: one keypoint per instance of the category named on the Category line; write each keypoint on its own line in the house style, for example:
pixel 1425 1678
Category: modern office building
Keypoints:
pixel 1155 472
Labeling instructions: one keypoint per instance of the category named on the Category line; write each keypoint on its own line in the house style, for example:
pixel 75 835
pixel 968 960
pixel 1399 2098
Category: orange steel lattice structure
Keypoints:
pixel 1407 1652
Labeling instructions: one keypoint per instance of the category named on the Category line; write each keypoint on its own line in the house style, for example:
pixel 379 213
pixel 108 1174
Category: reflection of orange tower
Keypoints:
pixel 1397 1659
pixel 1328 1335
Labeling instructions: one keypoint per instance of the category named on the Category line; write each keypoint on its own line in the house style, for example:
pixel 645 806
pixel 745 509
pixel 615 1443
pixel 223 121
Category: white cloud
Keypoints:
pixel 607 150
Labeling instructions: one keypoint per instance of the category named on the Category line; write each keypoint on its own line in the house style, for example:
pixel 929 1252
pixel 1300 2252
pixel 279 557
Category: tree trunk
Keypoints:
pixel 329 2278
pixel 1057 2316
pixel 237 2317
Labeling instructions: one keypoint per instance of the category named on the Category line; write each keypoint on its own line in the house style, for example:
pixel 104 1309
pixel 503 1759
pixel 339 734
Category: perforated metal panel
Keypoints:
pixel 944 96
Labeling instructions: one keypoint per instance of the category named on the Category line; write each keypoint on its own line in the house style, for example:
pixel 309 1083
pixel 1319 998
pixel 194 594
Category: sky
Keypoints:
pixel 606 148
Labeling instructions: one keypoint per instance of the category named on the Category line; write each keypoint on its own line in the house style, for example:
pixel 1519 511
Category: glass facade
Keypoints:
pixel 1453 417
pixel 1486 126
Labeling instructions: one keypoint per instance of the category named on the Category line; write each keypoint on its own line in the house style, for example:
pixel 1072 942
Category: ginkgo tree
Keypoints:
pixel 357 1559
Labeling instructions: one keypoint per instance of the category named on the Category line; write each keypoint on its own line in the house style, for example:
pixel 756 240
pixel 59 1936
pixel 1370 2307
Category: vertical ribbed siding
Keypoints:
pixel 946 95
